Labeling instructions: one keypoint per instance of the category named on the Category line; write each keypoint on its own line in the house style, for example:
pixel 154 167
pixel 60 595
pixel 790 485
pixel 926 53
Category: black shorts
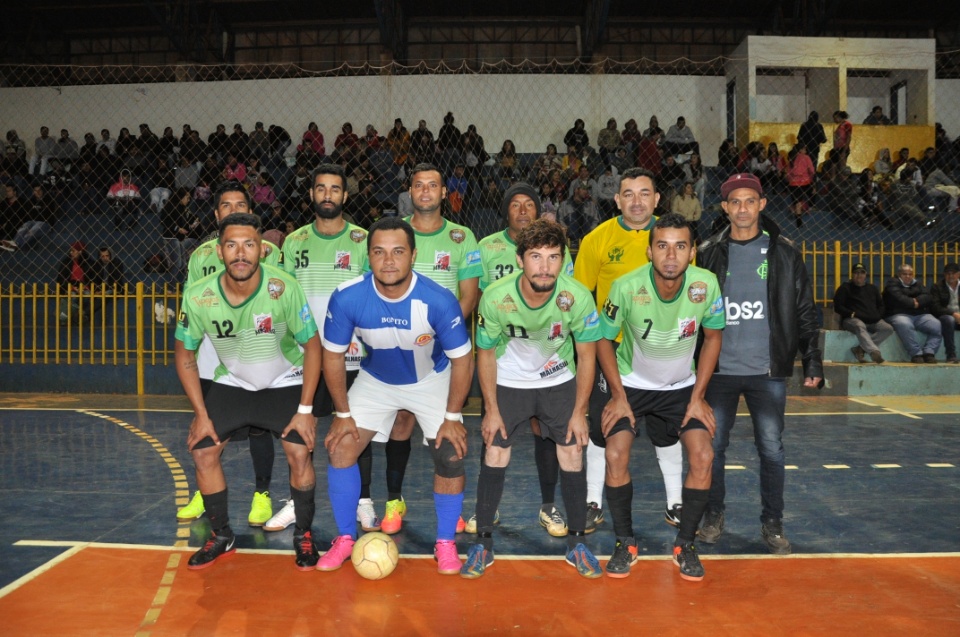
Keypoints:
pixel 233 410
pixel 661 412
pixel 552 406
pixel 323 401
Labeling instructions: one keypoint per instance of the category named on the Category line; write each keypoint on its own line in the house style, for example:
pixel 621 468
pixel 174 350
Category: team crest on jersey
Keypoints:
pixel 441 261
pixel 615 254
pixel 275 288
pixel 263 323
pixel 424 339
pixel 697 292
pixel 717 307
pixel 565 301
pixel 267 250
pixel 688 328
pixel 457 235
pixel 357 235
pixel 591 321
pixel 507 304
pixel 556 331
pixel 298 236
pixel 208 292
pixel 342 262
pixel 473 257
pixel 642 297
pixel 353 352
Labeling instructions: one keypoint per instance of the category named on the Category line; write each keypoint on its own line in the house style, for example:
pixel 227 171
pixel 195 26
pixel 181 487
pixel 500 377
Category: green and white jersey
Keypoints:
pixel 498 254
pixel 448 256
pixel 322 262
pixel 533 344
pixel 204 260
pixel 659 337
pixel 257 342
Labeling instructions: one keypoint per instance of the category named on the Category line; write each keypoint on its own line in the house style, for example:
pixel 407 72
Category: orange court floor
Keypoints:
pixel 92 547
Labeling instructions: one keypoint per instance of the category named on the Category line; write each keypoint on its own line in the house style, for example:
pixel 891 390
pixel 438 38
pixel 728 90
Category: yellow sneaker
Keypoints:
pixel 261 509
pixel 193 510
pixel 393 517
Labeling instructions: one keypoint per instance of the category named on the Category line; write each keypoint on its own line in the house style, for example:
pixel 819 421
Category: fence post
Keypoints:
pixel 141 326
pixel 837 279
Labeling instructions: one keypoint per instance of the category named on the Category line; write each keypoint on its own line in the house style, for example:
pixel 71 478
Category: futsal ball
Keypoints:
pixel 375 555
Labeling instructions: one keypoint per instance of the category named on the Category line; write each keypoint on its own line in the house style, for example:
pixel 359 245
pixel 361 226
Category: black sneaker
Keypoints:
pixel 217 546
pixel 594 517
pixel 858 353
pixel 672 514
pixel 685 556
pixel 712 527
pixel 772 532
pixel 307 553
pixel 624 555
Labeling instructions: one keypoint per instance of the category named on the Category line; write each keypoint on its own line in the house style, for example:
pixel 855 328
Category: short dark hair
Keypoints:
pixel 542 233
pixel 392 223
pixel 634 173
pixel 231 185
pixel 329 169
pixel 424 167
pixel 671 220
pixel 950 268
pixel 239 219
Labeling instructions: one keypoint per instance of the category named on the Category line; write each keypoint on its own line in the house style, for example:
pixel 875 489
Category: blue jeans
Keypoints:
pixel 30 232
pixel 948 325
pixel 907 326
pixel 766 399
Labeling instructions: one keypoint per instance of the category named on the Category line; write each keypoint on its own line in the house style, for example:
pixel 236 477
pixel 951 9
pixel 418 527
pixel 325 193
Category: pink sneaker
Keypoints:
pixel 448 562
pixel 339 553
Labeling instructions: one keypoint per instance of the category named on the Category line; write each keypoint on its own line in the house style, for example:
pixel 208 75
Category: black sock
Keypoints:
pixel 619 504
pixel 398 453
pixel 365 462
pixel 545 453
pixel 573 488
pixel 489 492
pixel 261 452
pixel 304 505
pixel 694 504
pixel 215 505
pixel 575 537
pixel 486 539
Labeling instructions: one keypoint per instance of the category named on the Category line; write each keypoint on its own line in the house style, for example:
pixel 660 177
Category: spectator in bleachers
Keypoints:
pixel 182 230
pixel 811 135
pixel 187 174
pixel 779 165
pixel 136 162
pixel 347 144
pixel 671 180
pixel 474 153
pixel 13 212
pixel 108 273
pixel 871 203
pixel 186 134
pixel 298 188
pixel 259 142
pixel 606 187
pixel 936 183
pixel 125 141
pixel 422 144
pixel 364 208
pixel 238 144
pixel 148 142
pixel 90 191
pixel 653 130
pixel 546 163
pixel 883 166
pixel 693 170
pixel 946 308
pixel 687 205
pixel 194 148
pixel 649 154
pixel 373 140
pixel 449 143
pixel 106 140
pixel 280 140
pixel 308 157
pixel 39 215
pixel 17 144
pixel 908 304
pixel 58 182
pixel 89 149
pixel 405 201
pixel 219 142
pixel 571 162
pixel 66 150
pixel 680 139
pixel 163 184
pixel 842 136
pixel 727 156
pixel 548 199
pixel 274 217
pixel 622 159
pixel 105 168
pixel 609 139
pixel 903 200
pixel 903 156
pixel 577 136
pixel 579 214
pixel 14 165
pixel 593 161
pixel 263 194
pixel 630 137
pixel 877 118
pixel 456 190
pixel 43 148
pixel 506 160
pixel 74 277
pixel 167 146
pixel 559 184
pixel 844 199
pixel 946 150
pixel 582 180
pixel 861 311
pixel 234 169
pixel 124 196
pixel 313 139
pixel 761 166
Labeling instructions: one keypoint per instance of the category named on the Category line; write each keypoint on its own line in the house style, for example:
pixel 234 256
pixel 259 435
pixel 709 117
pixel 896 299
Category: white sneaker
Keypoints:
pixel 367 515
pixel 282 519
pixel 9 246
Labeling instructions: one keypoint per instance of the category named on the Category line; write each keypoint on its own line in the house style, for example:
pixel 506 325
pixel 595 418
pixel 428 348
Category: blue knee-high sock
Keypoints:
pixel 448 507
pixel 343 486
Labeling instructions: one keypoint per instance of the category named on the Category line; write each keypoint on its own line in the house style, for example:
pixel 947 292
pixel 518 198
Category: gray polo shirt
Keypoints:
pixel 746 337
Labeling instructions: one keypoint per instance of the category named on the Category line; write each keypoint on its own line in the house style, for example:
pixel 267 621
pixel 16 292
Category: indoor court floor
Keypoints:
pixel 91 545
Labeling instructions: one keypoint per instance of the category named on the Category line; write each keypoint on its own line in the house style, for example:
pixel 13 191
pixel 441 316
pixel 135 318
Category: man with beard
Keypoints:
pixel 418 358
pixel 322 255
pixel 230 198
pixel 529 325
pixel 449 255
pixel 659 308
pixel 266 340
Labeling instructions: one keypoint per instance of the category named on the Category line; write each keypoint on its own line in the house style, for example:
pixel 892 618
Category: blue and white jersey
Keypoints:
pixel 405 339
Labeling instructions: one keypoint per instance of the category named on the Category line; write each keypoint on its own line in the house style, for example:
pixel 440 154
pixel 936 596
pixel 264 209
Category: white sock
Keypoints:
pixel 671 466
pixel 596 472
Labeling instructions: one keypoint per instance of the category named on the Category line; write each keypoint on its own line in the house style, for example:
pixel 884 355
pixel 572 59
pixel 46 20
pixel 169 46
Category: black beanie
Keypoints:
pixel 520 188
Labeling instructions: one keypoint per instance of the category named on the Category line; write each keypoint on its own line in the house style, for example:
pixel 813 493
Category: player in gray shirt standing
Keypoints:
pixel 770 316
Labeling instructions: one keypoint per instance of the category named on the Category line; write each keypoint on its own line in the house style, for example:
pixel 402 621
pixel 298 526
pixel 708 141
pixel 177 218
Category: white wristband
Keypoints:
pixel 453 416
pixel 343 414
pixel 304 409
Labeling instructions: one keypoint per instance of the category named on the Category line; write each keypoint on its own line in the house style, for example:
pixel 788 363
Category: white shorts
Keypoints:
pixel 375 404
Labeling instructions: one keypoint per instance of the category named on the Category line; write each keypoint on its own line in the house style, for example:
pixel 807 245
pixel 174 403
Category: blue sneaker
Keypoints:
pixel 478 559
pixel 583 560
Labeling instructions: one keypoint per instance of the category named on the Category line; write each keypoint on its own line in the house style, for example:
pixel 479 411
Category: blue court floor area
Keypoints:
pixel 865 476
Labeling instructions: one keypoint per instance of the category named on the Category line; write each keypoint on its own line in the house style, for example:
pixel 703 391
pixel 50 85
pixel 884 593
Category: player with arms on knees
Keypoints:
pixel 530 323
pixel 659 308
pixel 418 358
pixel 259 322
